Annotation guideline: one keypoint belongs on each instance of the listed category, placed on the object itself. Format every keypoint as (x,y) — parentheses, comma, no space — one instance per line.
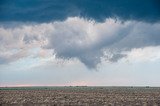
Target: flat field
(80,95)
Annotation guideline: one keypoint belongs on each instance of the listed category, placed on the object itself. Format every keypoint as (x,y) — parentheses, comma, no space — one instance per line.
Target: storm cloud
(99,10)
(88,41)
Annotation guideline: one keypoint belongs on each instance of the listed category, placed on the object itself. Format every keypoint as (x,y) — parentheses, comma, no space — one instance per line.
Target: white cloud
(147,54)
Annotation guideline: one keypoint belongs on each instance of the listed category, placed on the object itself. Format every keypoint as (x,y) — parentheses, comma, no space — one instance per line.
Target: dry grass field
(83,96)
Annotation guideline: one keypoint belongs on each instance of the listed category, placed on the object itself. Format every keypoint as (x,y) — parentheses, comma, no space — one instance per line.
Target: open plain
(80,95)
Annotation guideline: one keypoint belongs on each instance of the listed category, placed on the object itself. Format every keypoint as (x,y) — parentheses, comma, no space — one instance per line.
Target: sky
(79,43)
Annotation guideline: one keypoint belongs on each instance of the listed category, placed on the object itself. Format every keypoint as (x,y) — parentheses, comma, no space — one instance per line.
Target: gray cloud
(142,34)
(86,40)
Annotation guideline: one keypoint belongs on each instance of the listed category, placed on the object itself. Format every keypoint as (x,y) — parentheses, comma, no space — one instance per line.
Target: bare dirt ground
(83,96)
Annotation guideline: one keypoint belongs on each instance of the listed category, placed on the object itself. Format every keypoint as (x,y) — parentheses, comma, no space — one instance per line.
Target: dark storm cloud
(49,10)
(81,29)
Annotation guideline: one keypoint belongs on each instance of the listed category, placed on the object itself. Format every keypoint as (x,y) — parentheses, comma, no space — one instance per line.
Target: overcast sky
(79,42)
